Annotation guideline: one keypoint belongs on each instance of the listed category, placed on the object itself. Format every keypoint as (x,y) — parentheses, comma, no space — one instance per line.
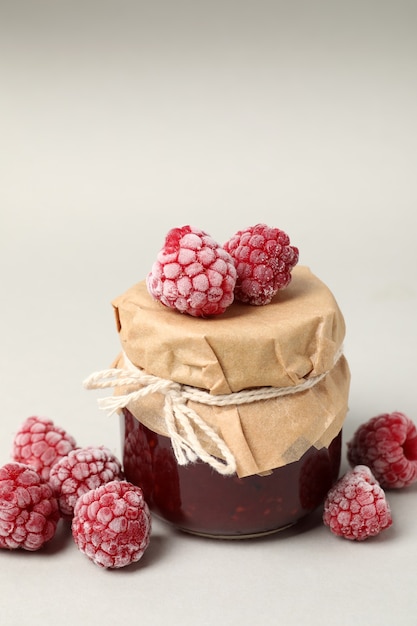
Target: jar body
(197,499)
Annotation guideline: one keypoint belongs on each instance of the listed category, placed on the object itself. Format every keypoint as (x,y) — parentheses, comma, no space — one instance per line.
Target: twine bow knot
(180,419)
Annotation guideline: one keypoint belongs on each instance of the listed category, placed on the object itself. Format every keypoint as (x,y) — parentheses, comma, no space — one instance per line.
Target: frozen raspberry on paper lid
(264,259)
(40,443)
(356,507)
(29,511)
(192,274)
(80,471)
(387,444)
(112,524)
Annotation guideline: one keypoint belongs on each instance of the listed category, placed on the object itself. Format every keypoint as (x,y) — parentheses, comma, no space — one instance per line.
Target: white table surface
(119,120)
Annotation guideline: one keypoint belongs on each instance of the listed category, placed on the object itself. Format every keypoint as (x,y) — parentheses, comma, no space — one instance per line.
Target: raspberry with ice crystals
(112,524)
(192,274)
(356,507)
(264,259)
(80,471)
(40,443)
(29,511)
(387,444)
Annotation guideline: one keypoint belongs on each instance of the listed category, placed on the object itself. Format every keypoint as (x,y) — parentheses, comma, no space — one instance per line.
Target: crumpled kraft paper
(297,336)
(266,434)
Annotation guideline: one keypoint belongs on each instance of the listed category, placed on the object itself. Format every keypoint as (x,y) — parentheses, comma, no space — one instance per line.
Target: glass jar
(197,499)
(231,426)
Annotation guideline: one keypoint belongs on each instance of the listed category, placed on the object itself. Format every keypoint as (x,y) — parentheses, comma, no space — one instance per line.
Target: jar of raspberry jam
(232,426)
(197,499)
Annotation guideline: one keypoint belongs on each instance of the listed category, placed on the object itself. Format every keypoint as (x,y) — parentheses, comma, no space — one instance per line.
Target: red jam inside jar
(197,499)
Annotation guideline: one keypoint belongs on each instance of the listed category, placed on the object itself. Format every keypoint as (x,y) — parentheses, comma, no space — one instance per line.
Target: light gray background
(122,119)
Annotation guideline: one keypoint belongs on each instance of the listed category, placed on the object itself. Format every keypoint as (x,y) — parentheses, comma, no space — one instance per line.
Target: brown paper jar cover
(296,336)
(299,335)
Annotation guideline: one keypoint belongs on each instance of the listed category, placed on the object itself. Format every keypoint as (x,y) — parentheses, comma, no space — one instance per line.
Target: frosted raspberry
(28,509)
(356,507)
(80,471)
(387,443)
(192,274)
(40,443)
(264,260)
(112,524)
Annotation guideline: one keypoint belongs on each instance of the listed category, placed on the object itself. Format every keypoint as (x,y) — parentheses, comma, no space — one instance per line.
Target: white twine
(177,413)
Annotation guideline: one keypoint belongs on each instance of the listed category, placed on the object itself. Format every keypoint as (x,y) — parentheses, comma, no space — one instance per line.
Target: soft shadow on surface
(157,550)
(305,525)
(61,541)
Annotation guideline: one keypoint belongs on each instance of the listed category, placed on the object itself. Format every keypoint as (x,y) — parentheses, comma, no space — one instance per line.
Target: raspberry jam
(197,499)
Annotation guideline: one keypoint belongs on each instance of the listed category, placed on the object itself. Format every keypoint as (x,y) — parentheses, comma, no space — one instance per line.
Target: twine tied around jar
(178,415)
